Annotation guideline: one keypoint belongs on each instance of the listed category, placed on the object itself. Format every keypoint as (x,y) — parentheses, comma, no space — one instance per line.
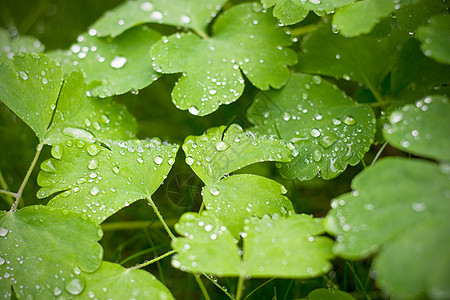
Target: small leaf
(82,117)
(11,47)
(244,39)
(322,294)
(404,216)
(211,156)
(435,38)
(328,130)
(30,240)
(193,14)
(422,129)
(113,66)
(233,202)
(29,86)
(112,281)
(356,59)
(273,247)
(97,181)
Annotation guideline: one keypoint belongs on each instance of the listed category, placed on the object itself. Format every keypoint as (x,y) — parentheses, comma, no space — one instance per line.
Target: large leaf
(112,281)
(113,66)
(233,202)
(29,86)
(82,117)
(43,251)
(435,38)
(273,247)
(409,17)
(328,129)
(193,14)
(400,207)
(244,39)
(98,181)
(355,59)
(422,129)
(218,152)
(11,47)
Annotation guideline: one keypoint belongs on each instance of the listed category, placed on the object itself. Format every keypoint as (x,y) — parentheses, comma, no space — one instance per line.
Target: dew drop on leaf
(94,191)
(3,231)
(189,160)
(221,146)
(194,110)
(92,149)
(349,120)
(75,286)
(118,62)
(314,132)
(158,160)
(214,191)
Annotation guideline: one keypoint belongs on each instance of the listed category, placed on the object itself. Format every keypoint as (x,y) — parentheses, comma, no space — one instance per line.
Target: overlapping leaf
(11,47)
(281,247)
(82,117)
(192,14)
(218,152)
(112,281)
(98,181)
(29,86)
(329,294)
(294,11)
(435,38)
(422,129)
(328,129)
(244,39)
(409,17)
(233,202)
(355,59)
(113,66)
(405,216)
(30,239)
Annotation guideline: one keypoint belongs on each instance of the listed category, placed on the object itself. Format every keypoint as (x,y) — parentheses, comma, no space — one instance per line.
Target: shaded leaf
(322,294)
(31,237)
(11,47)
(233,202)
(113,66)
(328,130)
(112,281)
(244,39)
(435,38)
(98,181)
(422,129)
(218,152)
(87,118)
(281,247)
(193,14)
(29,86)
(407,208)
(409,17)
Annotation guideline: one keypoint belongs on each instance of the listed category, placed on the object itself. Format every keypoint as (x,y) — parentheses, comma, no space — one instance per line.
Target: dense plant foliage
(286,148)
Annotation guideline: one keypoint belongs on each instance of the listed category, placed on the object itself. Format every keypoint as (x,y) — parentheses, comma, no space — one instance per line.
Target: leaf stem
(27,176)
(358,281)
(202,34)
(378,153)
(149,262)
(240,287)
(304,29)
(7,195)
(202,286)
(219,286)
(374,91)
(160,217)
(259,287)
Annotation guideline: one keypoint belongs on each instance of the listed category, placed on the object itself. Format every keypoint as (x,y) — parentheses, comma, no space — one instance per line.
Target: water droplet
(75,286)
(93,164)
(57,152)
(194,110)
(336,122)
(185,19)
(283,190)
(157,15)
(349,120)
(3,231)
(94,191)
(214,191)
(23,75)
(158,160)
(146,6)
(2,260)
(221,146)
(189,160)
(57,291)
(317,155)
(314,132)
(105,119)
(419,206)
(48,166)
(396,117)
(78,133)
(140,160)
(118,62)
(316,79)
(116,169)
(328,140)
(93,149)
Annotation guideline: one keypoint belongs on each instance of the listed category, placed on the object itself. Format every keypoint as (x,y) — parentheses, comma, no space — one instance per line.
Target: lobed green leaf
(435,38)
(11,47)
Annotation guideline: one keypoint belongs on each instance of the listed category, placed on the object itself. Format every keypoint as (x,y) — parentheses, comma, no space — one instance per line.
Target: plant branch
(378,153)
(160,217)
(240,287)
(149,262)
(202,34)
(27,176)
(202,286)
(259,287)
(219,286)
(358,281)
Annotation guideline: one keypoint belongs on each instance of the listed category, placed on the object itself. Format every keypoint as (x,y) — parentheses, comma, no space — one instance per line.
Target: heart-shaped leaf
(328,129)
(98,181)
(33,241)
(244,39)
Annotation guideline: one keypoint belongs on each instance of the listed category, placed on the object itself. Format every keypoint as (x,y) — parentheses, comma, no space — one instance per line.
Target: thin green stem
(132,225)
(374,91)
(160,217)
(149,262)
(202,286)
(378,153)
(288,289)
(202,34)
(304,29)
(259,287)
(358,281)
(140,253)
(240,287)
(27,176)
(7,195)
(219,286)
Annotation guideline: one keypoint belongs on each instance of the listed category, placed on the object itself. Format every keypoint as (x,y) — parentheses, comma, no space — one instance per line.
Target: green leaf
(29,86)
(219,152)
(409,17)
(244,39)
(192,14)
(43,251)
(422,129)
(11,47)
(87,118)
(355,59)
(286,11)
(273,247)
(435,38)
(233,202)
(398,206)
(326,294)
(112,281)
(328,129)
(98,181)
(113,66)
(361,16)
